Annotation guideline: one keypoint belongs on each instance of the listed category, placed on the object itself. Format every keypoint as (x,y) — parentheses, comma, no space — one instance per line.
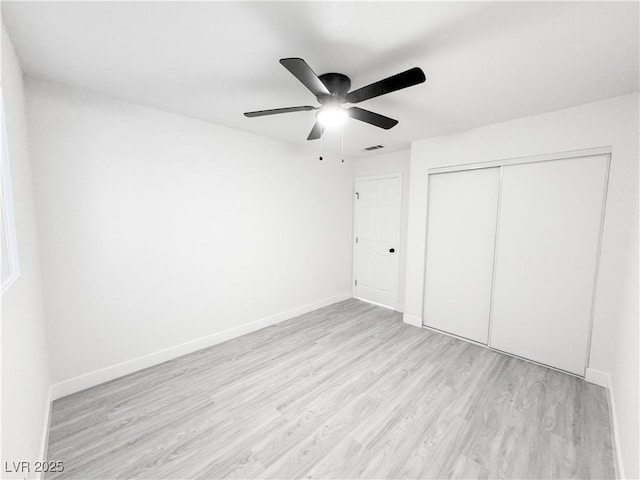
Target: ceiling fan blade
(316,132)
(299,68)
(274,111)
(372,118)
(411,77)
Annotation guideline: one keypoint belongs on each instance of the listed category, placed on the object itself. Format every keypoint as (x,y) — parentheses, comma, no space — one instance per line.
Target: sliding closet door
(461,229)
(550,220)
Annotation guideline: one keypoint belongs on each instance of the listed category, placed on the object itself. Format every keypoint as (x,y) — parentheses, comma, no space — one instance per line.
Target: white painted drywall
(25,372)
(396,162)
(158,229)
(611,122)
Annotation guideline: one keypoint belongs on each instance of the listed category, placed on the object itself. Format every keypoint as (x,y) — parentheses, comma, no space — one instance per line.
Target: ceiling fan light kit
(331,116)
(332,90)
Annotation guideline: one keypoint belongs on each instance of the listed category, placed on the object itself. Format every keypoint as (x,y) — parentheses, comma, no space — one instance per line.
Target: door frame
(366,178)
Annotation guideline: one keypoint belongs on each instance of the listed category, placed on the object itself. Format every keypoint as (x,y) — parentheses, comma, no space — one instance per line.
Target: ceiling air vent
(373,147)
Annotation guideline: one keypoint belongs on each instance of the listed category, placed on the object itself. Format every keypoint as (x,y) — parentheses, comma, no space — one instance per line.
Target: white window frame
(8,219)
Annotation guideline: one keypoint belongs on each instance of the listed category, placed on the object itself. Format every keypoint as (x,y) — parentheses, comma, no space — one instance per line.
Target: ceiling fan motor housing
(338,84)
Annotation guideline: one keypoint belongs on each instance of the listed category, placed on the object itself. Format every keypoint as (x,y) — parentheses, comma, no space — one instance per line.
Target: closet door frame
(605,151)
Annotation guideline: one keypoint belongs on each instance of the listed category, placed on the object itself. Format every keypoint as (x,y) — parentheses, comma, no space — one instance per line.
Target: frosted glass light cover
(332,116)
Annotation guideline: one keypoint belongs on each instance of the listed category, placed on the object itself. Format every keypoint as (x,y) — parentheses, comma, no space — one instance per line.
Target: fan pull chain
(321,142)
(342,144)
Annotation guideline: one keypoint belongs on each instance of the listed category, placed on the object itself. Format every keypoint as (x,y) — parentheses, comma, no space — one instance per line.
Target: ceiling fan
(332,90)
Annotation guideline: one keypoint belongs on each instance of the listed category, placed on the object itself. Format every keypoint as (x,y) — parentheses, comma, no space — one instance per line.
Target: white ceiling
(484,62)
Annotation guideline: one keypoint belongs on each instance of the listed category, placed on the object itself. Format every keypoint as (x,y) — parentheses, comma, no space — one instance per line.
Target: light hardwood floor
(347,391)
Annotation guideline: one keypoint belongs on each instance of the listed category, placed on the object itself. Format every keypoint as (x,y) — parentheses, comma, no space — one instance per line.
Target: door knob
(391,250)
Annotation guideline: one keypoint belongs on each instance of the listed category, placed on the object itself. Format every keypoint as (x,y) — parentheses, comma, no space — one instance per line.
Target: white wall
(158,229)
(612,122)
(25,373)
(395,162)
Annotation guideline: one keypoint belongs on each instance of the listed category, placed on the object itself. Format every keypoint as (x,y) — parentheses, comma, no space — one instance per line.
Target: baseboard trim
(44,442)
(91,379)
(412,320)
(598,377)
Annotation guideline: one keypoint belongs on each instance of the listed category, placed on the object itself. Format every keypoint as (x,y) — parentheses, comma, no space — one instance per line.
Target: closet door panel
(550,220)
(461,229)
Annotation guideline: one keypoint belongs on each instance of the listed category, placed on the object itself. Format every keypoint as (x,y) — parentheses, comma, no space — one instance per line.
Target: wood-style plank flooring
(347,391)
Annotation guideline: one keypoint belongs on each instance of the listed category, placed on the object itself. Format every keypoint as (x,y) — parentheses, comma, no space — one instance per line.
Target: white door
(461,231)
(378,207)
(548,238)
